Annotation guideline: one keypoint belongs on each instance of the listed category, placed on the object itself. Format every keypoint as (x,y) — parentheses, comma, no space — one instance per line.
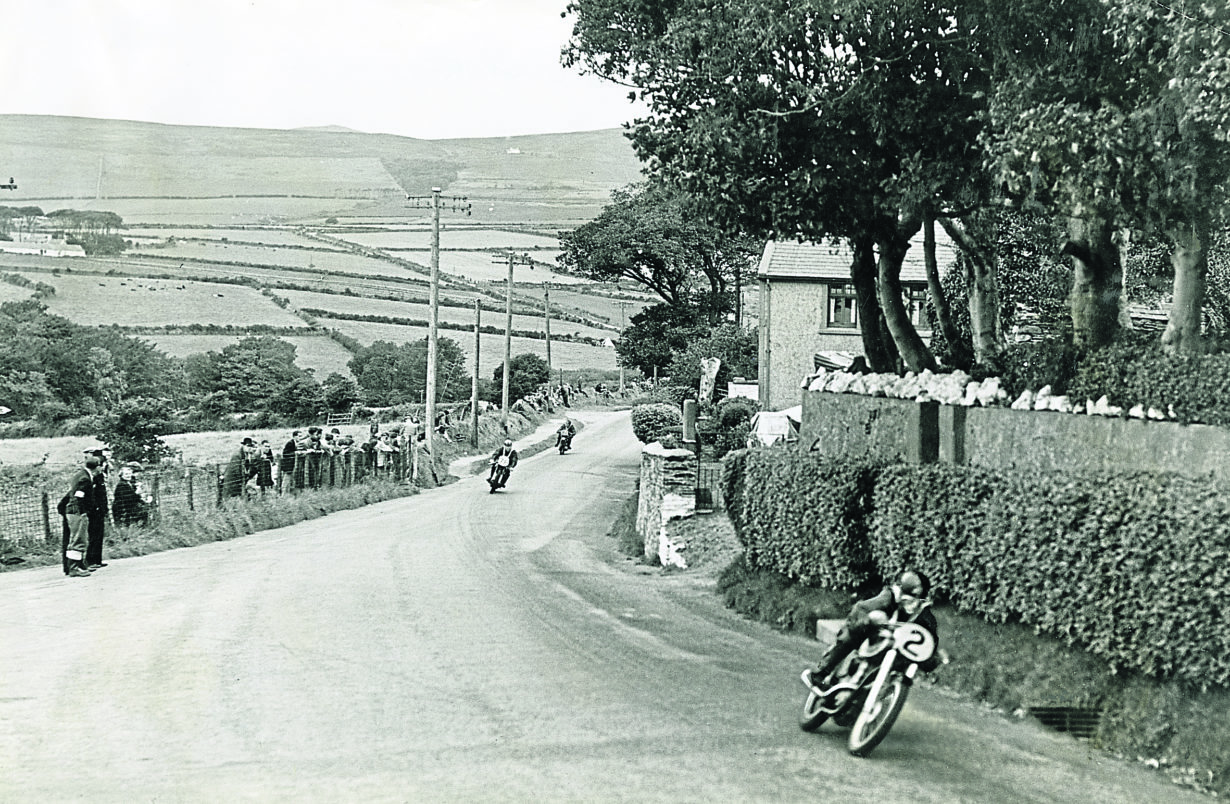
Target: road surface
(460,646)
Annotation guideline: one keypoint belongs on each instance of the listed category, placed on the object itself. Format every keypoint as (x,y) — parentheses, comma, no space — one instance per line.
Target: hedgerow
(801,514)
(1132,567)
(652,421)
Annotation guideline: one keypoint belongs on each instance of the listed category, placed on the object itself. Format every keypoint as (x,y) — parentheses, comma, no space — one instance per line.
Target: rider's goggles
(910,603)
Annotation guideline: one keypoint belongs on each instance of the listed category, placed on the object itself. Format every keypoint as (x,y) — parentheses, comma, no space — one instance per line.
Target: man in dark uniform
(98,516)
(77,504)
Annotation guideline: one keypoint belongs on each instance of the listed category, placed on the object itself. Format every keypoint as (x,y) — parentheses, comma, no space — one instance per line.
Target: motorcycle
(563,440)
(872,684)
(500,470)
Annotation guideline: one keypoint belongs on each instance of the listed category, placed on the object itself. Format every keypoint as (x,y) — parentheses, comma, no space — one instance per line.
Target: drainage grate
(1078,722)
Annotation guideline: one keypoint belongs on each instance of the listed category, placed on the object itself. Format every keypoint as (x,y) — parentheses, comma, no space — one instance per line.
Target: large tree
(655,237)
(812,120)
(1116,116)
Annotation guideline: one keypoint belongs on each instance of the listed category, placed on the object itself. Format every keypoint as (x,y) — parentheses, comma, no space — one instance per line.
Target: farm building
(808,306)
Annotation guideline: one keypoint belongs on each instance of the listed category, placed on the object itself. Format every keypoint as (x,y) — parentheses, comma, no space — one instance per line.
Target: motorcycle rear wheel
(870,729)
(813,715)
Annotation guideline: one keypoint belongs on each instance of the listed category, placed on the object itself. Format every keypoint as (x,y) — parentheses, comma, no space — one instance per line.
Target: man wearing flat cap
(77,505)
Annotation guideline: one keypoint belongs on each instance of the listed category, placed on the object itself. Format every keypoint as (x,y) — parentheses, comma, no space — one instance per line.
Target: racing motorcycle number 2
(913,642)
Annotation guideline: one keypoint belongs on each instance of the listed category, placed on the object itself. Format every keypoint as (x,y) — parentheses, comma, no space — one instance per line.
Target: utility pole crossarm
(12,185)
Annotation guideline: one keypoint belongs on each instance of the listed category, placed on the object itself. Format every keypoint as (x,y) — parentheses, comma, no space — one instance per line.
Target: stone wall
(1001,438)
(667,491)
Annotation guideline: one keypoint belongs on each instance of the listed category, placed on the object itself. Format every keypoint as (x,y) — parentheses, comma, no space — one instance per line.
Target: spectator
(77,504)
(98,515)
(263,470)
(315,457)
(238,469)
(384,454)
(286,467)
(130,505)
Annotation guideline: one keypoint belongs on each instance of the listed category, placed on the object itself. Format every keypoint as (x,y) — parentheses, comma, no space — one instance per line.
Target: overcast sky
(431,69)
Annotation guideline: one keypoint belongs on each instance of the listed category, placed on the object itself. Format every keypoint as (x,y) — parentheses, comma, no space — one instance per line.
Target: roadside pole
(478,314)
(512,259)
(433,325)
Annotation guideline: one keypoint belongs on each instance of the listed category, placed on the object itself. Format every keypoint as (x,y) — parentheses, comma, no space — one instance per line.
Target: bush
(802,514)
(733,417)
(654,421)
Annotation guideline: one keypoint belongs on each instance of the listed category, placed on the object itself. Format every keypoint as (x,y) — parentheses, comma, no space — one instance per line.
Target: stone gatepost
(667,491)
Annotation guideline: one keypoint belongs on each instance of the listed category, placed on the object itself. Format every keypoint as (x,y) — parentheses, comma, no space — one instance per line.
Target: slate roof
(823,261)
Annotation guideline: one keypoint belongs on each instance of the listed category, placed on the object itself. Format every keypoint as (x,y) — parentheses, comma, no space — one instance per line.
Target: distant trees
(391,374)
(527,374)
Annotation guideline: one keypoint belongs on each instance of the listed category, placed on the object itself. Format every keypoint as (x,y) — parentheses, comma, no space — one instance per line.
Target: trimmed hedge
(1132,567)
(651,422)
(801,514)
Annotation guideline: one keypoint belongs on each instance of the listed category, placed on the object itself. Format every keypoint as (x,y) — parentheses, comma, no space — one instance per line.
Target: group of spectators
(85,510)
(315,458)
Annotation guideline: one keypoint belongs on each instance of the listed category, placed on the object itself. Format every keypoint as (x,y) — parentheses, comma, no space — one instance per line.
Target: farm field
(567,356)
(136,302)
(459,237)
(224,211)
(481,266)
(330,260)
(264,236)
(320,353)
(453,315)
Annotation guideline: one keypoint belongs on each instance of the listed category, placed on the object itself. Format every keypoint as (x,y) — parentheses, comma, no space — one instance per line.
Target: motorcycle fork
(886,667)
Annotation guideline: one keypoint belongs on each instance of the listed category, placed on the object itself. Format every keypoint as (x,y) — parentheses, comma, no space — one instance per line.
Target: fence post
(154,495)
(46,517)
(188,474)
(218,478)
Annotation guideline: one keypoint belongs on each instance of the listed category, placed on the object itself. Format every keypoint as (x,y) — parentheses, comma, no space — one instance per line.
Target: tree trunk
(1097,282)
(982,284)
(910,346)
(959,352)
(878,346)
(1191,265)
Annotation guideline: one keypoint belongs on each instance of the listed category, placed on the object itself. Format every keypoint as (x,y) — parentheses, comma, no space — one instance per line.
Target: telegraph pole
(512,259)
(546,315)
(478,314)
(458,205)
(622,304)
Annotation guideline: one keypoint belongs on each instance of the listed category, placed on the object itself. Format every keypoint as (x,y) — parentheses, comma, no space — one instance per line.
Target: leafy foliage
(133,428)
(737,348)
(802,514)
(733,417)
(653,421)
(529,373)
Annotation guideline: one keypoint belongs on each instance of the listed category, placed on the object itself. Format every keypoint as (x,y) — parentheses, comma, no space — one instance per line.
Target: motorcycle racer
(904,601)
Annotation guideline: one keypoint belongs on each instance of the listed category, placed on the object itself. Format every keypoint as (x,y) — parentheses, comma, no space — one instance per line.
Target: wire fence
(709,487)
(28,517)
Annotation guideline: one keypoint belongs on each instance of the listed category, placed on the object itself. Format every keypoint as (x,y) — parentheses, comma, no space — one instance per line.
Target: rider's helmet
(508,442)
(911,590)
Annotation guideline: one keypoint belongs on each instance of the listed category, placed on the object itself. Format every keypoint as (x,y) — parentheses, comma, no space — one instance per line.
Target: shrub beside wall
(801,514)
(650,422)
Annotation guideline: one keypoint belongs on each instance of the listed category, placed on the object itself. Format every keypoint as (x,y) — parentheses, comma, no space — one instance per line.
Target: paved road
(462,646)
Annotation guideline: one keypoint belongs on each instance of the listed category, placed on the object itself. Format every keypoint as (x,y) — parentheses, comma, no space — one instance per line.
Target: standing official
(98,515)
(78,503)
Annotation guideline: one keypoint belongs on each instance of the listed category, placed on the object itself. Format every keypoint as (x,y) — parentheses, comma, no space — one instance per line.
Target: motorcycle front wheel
(872,727)
(813,715)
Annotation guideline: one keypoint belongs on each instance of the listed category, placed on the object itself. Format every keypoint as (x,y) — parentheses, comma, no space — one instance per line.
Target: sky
(431,69)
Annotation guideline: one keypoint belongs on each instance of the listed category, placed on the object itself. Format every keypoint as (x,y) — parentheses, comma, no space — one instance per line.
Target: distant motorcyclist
(904,601)
(503,461)
(565,434)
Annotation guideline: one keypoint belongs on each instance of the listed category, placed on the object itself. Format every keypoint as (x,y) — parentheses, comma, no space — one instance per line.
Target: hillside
(80,163)
(316,226)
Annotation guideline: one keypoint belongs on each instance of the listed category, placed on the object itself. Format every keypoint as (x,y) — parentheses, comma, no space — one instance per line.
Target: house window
(843,307)
(916,306)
